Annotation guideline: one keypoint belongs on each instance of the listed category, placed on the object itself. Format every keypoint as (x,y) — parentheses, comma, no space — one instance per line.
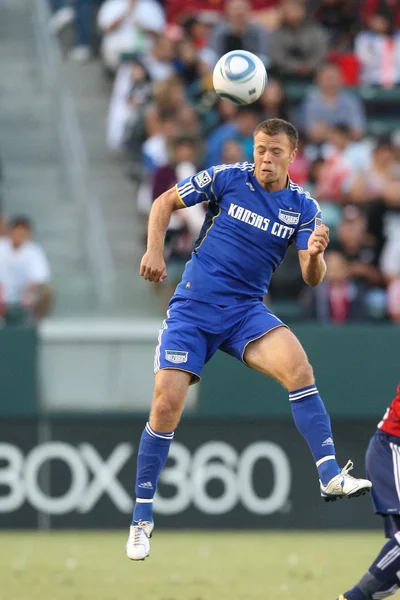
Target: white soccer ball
(240,77)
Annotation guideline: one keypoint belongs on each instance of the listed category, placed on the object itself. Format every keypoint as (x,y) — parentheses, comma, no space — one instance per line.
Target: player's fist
(153,266)
(318,240)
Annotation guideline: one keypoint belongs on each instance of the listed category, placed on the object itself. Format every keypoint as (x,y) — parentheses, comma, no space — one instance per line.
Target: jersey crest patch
(176,356)
(202,179)
(289,217)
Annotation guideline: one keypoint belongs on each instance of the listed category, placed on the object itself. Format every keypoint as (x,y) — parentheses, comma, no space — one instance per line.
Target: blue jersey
(245,235)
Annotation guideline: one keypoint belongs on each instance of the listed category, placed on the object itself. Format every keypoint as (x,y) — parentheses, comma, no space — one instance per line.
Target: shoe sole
(356,494)
(139,559)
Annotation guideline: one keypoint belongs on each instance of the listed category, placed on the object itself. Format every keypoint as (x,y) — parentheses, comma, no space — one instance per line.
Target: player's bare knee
(166,411)
(300,375)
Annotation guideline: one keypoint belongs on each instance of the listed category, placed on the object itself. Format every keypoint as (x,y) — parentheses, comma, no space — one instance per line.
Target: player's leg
(381,460)
(381,580)
(179,360)
(382,465)
(280,355)
(168,401)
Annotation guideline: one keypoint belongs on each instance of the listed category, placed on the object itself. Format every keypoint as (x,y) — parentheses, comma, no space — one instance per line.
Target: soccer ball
(240,77)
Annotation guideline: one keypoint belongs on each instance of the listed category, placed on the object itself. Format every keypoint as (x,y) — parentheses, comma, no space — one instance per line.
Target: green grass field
(183,566)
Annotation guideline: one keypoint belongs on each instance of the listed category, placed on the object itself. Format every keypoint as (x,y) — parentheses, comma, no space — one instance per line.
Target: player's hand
(318,240)
(153,266)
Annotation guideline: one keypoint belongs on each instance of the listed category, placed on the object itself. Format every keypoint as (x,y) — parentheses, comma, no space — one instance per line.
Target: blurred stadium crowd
(334,70)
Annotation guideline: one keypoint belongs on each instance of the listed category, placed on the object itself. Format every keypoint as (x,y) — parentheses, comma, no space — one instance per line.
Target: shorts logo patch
(176,356)
(318,223)
(289,217)
(202,179)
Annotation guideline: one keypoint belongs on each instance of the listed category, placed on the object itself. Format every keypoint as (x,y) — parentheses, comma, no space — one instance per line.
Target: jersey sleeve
(205,186)
(311,219)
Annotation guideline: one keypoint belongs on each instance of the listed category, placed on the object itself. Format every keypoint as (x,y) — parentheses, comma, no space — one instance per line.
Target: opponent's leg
(280,355)
(381,579)
(169,396)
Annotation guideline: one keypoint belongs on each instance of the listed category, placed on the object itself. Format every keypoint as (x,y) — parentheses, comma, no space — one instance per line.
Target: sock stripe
(389,558)
(294,397)
(324,459)
(307,388)
(163,436)
(144,500)
(386,593)
(396,469)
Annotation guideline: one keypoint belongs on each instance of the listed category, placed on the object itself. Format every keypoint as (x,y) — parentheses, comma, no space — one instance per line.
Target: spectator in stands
(300,169)
(237,32)
(128,26)
(393,300)
(261,11)
(299,46)
(155,148)
(196,30)
(24,274)
(329,105)
(374,181)
(274,102)
(187,63)
(133,77)
(378,51)
(169,98)
(232,152)
(370,8)
(361,251)
(340,20)
(377,190)
(338,299)
(334,178)
(240,129)
(185,225)
(80,11)
(131,91)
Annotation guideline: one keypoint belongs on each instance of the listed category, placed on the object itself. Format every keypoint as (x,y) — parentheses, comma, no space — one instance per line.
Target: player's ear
(293,155)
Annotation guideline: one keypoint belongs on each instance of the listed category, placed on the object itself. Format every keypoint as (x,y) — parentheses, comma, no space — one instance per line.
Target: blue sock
(381,576)
(152,456)
(313,423)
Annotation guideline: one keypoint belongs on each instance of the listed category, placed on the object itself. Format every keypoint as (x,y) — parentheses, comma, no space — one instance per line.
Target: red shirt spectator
(390,7)
(177,10)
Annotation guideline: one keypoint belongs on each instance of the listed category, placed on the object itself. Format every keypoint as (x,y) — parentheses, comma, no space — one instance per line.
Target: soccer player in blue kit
(254,213)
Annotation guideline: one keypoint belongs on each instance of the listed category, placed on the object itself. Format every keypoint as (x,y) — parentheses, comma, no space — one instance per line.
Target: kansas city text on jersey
(245,235)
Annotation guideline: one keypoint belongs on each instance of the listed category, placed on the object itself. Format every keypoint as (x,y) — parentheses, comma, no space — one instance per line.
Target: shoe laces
(348,467)
(138,530)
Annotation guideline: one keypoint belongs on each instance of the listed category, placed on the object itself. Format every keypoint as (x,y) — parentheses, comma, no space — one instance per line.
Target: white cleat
(138,545)
(344,484)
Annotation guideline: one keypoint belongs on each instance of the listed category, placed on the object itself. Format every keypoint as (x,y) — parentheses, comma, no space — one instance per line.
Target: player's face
(272,157)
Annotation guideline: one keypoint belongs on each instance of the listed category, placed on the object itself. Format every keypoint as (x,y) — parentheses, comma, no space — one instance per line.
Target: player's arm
(153,266)
(312,263)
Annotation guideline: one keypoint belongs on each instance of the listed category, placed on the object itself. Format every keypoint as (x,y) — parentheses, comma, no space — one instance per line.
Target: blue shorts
(193,331)
(383,469)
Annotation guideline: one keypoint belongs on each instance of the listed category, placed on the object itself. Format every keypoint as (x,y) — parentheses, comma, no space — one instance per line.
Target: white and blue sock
(381,579)
(314,424)
(152,456)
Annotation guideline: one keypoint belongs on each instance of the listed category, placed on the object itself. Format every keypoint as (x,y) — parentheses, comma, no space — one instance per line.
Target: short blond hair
(276,126)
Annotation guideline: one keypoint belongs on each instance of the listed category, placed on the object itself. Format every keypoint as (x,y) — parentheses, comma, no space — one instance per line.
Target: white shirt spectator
(125,26)
(21,267)
(379,56)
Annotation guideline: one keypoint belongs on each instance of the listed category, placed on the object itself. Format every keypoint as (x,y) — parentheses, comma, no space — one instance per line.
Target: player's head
(275,147)
(20,230)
